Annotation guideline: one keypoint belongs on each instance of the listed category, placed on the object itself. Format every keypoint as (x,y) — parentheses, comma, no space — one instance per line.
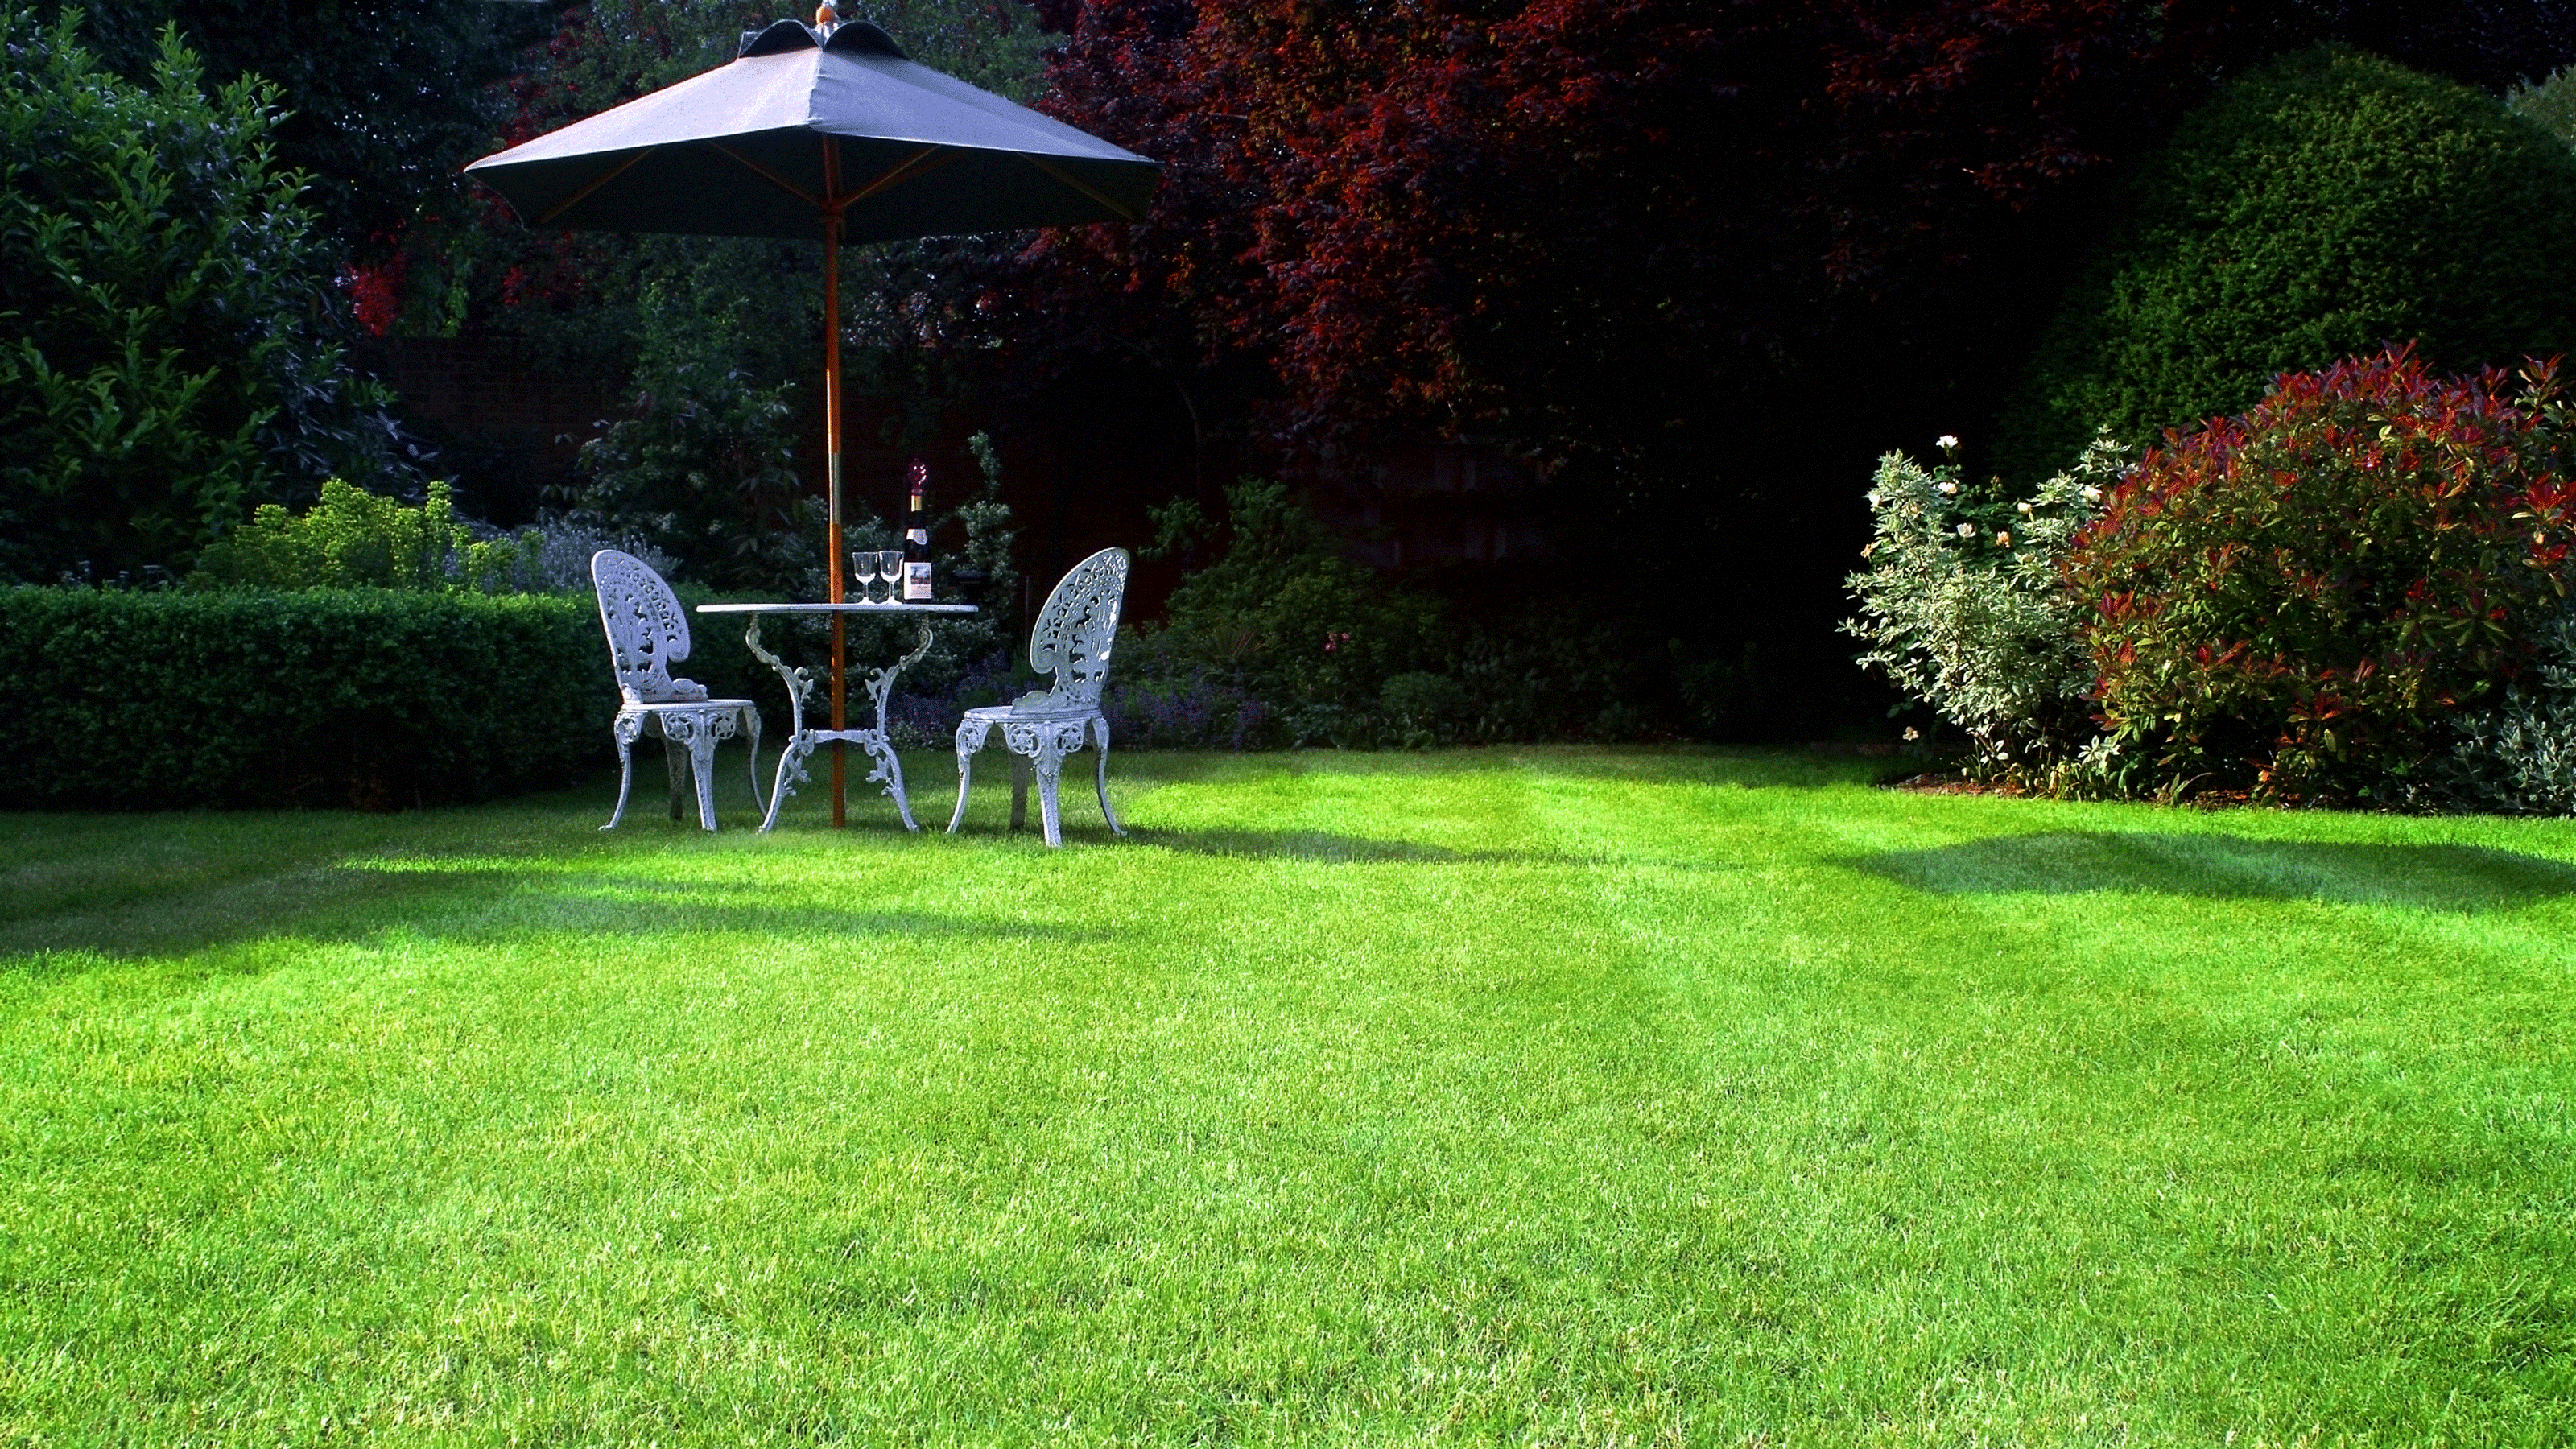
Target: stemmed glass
(890,564)
(863,571)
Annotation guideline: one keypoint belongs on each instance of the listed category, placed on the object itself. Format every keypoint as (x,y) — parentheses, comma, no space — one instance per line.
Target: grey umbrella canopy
(809,120)
(824,131)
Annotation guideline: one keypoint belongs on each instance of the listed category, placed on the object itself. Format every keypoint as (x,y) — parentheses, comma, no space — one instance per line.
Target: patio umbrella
(826,131)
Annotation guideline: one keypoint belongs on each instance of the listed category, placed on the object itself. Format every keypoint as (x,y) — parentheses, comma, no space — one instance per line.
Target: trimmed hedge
(319,697)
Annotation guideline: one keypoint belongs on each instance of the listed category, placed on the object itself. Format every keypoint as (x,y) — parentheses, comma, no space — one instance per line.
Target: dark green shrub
(379,699)
(705,470)
(2301,601)
(2317,208)
(1285,618)
(1280,641)
(1423,708)
(169,358)
(2518,758)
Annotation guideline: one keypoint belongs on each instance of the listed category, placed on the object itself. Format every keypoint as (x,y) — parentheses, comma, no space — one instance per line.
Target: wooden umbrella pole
(832,466)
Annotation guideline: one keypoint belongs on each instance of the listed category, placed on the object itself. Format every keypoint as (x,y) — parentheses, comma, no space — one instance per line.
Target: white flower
(2092,495)
(1967,530)
(2004,538)
(1873,499)
(1948,488)
(1947,442)
(2024,509)
(1911,733)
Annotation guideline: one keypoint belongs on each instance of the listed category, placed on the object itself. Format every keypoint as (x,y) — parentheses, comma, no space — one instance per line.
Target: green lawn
(1563,1096)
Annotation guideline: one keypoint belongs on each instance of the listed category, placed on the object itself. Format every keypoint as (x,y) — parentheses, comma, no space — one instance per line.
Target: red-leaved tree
(1583,222)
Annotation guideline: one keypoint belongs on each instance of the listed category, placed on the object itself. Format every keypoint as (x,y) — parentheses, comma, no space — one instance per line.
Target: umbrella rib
(1123,213)
(602,179)
(765,174)
(904,170)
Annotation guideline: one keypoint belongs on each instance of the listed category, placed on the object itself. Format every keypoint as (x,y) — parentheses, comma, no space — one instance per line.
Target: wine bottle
(916,540)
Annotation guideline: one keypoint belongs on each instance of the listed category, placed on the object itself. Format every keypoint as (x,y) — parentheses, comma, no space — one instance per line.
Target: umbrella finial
(825,17)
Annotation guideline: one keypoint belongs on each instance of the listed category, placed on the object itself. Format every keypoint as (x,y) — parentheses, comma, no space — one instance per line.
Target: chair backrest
(1076,629)
(645,626)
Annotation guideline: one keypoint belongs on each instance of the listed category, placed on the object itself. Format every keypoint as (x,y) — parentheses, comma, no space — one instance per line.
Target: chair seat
(1000,712)
(660,705)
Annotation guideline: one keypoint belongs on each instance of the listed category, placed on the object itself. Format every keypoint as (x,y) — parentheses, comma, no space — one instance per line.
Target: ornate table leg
(751,726)
(879,743)
(800,740)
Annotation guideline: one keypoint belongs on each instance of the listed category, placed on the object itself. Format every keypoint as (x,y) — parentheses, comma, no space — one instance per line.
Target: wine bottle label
(916,583)
(917,535)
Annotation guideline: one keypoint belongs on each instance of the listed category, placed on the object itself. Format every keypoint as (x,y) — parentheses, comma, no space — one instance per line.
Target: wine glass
(890,563)
(863,571)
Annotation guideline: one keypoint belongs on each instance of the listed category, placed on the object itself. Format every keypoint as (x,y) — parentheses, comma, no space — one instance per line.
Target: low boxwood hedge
(375,699)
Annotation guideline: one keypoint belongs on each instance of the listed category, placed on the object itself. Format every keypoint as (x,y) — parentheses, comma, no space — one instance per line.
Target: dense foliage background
(2317,207)
(1689,268)
(173,355)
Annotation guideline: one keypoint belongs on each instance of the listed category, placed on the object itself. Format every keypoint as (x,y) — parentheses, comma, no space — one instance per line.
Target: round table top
(849,608)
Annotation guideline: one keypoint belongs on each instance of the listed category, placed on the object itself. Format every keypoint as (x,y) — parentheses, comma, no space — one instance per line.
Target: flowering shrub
(1962,606)
(1187,712)
(560,547)
(2295,602)
(1423,708)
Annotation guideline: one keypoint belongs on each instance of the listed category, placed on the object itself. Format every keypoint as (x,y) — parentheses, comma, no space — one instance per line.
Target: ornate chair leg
(1100,774)
(702,763)
(1050,772)
(1019,791)
(751,727)
(965,776)
(624,730)
(674,760)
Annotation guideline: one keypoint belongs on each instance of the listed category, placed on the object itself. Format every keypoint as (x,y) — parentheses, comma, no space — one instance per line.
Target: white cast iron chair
(1073,636)
(646,631)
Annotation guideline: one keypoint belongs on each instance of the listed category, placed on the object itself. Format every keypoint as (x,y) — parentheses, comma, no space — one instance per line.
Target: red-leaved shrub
(2291,602)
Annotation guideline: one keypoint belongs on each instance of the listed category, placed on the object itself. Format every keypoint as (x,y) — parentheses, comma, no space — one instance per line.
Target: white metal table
(800,683)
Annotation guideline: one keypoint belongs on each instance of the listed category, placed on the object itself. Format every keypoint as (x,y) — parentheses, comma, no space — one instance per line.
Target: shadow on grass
(1316,845)
(600,903)
(2427,877)
(356,904)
